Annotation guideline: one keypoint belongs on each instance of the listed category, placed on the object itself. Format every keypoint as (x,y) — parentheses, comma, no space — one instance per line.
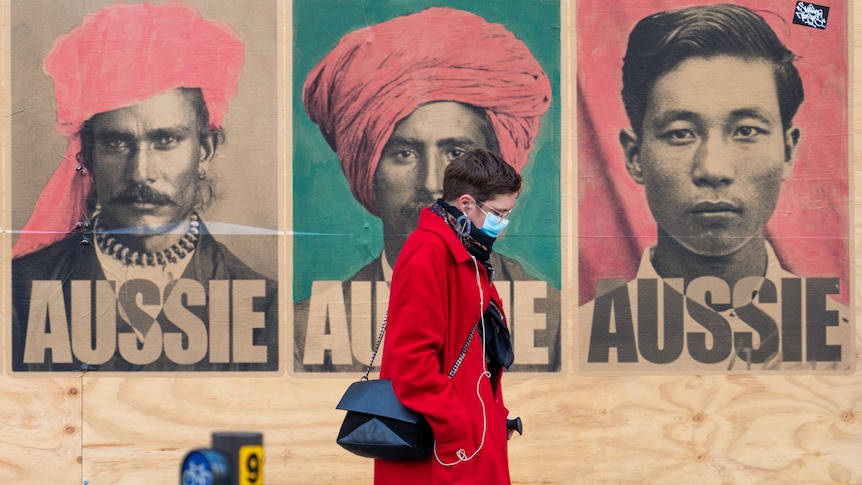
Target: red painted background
(810,227)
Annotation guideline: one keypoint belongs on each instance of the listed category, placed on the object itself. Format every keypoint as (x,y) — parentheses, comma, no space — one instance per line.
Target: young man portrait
(711,94)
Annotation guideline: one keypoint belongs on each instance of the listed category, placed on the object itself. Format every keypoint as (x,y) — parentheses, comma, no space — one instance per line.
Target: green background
(334,236)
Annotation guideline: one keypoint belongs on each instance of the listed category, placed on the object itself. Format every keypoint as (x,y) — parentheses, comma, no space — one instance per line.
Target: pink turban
(380,74)
(119,56)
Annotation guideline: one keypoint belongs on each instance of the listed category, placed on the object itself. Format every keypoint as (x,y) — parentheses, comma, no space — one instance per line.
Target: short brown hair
(660,42)
(480,173)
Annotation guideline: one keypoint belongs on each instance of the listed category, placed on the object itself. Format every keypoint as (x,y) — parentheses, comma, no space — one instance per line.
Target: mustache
(140,193)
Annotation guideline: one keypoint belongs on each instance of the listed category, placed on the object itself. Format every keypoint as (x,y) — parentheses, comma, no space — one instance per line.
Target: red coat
(433,306)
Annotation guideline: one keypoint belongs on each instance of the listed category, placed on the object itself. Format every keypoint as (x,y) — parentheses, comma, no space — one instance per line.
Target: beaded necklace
(179,250)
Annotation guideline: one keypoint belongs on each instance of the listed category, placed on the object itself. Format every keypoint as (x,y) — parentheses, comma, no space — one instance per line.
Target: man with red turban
(115,271)
(397,101)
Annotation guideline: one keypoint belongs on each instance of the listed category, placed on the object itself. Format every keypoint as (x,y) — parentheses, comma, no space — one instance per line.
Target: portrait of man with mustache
(115,269)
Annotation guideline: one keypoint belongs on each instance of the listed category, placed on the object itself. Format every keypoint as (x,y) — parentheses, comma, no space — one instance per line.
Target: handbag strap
(463,352)
(380,339)
(376,348)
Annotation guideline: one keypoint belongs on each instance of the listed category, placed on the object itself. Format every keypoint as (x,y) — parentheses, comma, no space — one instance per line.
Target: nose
(713,163)
(141,166)
(434,169)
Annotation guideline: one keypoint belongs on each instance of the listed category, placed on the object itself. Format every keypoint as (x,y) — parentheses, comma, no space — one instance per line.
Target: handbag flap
(376,397)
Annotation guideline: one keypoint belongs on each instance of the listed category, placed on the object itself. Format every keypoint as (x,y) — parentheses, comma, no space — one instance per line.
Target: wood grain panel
(40,430)
(591,430)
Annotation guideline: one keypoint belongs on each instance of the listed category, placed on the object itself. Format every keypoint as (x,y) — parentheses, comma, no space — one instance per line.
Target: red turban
(118,57)
(378,75)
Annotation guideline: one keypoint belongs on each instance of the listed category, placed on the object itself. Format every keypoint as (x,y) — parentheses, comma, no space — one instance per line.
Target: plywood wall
(604,430)
(683,429)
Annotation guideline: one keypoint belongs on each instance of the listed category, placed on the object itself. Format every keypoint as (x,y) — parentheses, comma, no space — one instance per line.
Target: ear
(465,202)
(631,149)
(208,150)
(791,143)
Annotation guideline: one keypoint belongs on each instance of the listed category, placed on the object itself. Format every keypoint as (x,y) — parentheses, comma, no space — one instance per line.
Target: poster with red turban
(713,187)
(142,187)
(385,95)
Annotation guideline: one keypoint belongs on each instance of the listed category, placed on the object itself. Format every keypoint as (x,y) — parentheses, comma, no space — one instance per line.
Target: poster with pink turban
(144,200)
(713,187)
(415,77)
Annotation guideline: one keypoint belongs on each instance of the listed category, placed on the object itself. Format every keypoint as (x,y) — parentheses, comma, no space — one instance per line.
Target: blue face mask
(493,224)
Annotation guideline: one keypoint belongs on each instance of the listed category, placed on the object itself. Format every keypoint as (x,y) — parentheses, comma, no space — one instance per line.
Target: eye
(454,153)
(166,142)
(400,155)
(747,132)
(501,213)
(404,154)
(115,144)
(678,137)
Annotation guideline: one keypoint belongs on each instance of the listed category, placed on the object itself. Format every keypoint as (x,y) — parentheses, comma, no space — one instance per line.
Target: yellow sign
(250,463)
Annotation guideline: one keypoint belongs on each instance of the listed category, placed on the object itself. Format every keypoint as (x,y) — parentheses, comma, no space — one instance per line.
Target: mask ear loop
(461,453)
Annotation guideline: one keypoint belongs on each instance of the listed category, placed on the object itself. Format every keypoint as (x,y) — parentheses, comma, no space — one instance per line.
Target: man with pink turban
(397,101)
(115,271)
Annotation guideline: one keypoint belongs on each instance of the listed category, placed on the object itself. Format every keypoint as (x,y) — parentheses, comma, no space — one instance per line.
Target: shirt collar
(774,271)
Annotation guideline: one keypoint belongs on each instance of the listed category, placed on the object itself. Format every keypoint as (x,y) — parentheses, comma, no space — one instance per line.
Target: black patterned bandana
(477,242)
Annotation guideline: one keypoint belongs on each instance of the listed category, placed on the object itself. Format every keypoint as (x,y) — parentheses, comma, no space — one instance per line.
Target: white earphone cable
(461,453)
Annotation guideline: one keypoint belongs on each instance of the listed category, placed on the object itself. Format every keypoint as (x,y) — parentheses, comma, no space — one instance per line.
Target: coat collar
(431,222)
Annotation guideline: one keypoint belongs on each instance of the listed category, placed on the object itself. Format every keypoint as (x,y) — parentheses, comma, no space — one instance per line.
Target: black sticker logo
(811,15)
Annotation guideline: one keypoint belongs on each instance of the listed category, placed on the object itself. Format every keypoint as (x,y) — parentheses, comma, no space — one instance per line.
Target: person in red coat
(442,296)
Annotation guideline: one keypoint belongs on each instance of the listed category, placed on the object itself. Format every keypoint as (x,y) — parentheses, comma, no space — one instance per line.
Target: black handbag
(377,425)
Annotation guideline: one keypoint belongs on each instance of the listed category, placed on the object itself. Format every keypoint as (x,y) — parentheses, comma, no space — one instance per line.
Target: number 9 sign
(250,465)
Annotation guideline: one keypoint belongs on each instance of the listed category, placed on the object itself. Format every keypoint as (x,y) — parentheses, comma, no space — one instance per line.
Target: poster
(713,235)
(86,300)
(339,246)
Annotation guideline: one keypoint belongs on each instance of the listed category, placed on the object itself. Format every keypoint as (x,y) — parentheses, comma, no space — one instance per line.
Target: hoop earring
(463,225)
